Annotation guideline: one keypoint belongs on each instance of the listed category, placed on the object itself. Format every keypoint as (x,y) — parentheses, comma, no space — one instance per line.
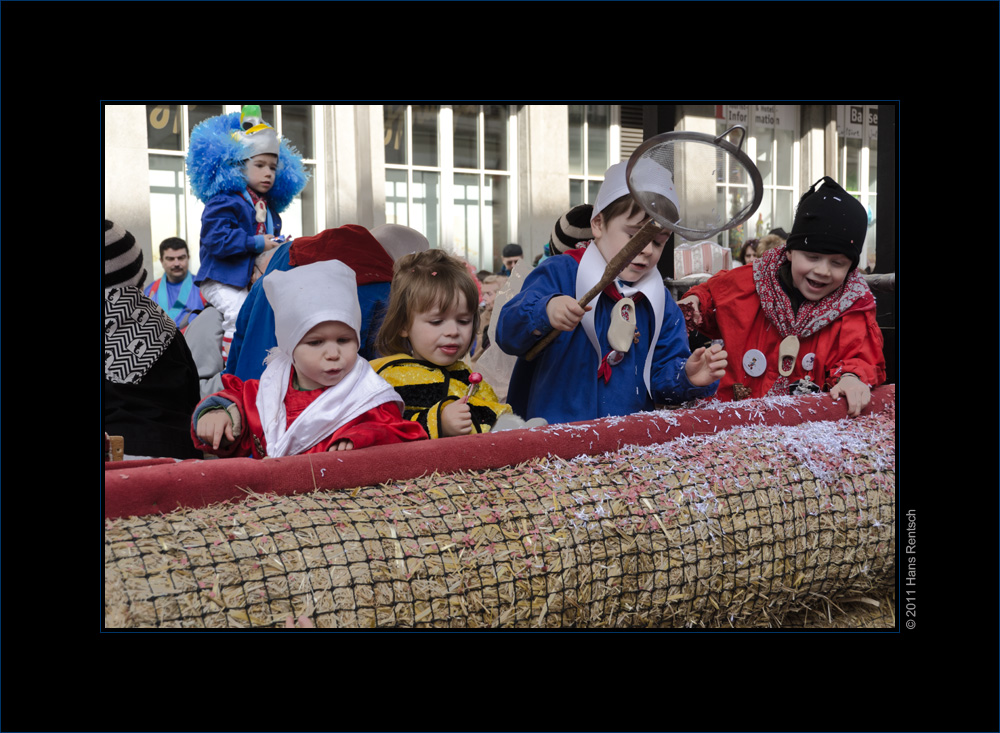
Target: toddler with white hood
(316,394)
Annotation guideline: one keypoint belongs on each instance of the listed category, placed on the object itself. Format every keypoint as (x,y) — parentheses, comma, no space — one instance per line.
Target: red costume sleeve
(736,290)
(238,392)
(382,425)
(859,336)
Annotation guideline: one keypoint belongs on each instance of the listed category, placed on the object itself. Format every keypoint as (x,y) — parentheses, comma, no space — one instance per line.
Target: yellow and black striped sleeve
(427,389)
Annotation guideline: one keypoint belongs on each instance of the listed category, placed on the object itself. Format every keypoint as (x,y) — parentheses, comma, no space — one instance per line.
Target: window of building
(593,148)
(448,175)
(175,212)
(772,143)
(857,163)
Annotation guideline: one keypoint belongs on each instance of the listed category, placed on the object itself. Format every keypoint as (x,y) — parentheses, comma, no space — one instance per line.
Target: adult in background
(510,256)
(150,383)
(748,253)
(176,292)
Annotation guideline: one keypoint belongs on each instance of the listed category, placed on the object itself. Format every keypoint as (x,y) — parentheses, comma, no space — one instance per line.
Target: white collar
(359,391)
(592,266)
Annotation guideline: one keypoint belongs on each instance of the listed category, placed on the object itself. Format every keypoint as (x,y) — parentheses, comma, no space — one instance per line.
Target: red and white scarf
(812,315)
(359,391)
(260,211)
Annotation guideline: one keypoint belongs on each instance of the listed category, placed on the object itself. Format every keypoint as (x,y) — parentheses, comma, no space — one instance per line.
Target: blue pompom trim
(215,164)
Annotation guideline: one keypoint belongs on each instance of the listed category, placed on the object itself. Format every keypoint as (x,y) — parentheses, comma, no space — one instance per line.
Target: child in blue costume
(246,175)
(580,375)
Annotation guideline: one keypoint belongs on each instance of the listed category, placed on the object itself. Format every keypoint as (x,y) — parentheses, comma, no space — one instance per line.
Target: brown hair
(626,205)
(422,281)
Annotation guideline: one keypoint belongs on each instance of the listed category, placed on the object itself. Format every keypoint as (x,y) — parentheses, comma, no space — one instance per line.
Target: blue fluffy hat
(216,156)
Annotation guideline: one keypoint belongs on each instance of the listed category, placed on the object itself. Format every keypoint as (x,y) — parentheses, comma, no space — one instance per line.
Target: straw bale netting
(763,526)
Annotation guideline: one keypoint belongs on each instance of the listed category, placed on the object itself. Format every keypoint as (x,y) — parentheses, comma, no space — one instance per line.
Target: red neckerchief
(604,369)
(254,198)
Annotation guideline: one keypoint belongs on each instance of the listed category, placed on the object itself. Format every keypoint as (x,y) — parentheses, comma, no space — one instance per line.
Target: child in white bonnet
(317,393)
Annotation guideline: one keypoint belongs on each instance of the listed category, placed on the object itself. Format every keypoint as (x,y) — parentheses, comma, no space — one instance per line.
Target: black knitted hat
(829,220)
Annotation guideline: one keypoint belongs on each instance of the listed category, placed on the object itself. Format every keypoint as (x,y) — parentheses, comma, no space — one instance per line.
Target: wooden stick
(618,263)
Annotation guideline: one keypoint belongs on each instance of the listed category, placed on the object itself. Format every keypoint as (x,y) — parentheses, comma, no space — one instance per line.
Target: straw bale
(756,527)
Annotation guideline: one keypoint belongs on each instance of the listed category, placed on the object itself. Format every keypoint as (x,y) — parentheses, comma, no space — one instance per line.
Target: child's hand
(704,366)
(691,308)
(219,427)
(456,419)
(343,444)
(270,242)
(564,312)
(858,394)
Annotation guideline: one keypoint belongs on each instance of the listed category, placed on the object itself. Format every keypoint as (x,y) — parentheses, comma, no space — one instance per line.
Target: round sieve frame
(663,150)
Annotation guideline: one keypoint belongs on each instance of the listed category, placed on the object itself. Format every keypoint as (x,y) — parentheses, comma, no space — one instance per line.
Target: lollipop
(474,379)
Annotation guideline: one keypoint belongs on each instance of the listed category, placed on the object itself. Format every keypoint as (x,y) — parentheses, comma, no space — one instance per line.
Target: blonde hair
(422,281)
(768,241)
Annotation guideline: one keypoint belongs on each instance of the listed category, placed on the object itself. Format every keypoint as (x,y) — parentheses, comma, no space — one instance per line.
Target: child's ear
(405,333)
(597,225)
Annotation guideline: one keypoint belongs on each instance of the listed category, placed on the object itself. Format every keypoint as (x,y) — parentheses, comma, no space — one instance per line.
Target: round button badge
(809,361)
(754,362)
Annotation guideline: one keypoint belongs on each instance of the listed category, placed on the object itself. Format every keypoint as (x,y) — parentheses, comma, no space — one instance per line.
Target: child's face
(442,335)
(260,171)
(490,293)
(817,275)
(611,236)
(325,355)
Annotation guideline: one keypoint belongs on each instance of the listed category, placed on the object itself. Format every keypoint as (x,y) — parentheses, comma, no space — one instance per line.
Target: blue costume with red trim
(568,381)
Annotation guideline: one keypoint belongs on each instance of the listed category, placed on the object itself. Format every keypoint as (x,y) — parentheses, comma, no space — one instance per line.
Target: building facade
(473,178)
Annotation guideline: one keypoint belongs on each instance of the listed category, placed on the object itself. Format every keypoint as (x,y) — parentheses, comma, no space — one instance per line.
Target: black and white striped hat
(122,258)
(572,229)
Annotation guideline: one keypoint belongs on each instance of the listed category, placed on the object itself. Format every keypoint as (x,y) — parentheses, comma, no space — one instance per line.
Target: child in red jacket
(801,318)
(316,393)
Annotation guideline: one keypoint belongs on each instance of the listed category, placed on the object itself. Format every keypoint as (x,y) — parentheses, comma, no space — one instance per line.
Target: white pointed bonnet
(310,294)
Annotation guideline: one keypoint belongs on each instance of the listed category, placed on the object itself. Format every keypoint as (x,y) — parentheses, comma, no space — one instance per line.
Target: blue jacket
(561,384)
(228,242)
